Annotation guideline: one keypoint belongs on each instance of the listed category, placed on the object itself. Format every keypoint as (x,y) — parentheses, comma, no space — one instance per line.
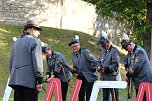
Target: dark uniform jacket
(138,66)
(109,60)
(54,67)
(85,63)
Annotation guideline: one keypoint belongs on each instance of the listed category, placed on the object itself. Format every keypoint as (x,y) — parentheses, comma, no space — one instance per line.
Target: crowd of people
(26,66)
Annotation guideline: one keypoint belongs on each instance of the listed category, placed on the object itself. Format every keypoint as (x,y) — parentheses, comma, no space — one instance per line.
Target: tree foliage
(130,12)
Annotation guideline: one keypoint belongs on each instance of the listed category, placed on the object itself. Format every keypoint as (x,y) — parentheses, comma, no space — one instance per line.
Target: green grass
(59,40)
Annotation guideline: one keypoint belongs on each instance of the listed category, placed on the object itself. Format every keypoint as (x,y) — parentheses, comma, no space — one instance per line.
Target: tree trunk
(147,41)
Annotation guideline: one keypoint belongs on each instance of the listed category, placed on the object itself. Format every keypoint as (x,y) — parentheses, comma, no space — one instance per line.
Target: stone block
(2,19)
(0,2)
(0,8)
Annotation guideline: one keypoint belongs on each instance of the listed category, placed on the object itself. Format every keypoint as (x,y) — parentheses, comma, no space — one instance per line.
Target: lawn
(59,39)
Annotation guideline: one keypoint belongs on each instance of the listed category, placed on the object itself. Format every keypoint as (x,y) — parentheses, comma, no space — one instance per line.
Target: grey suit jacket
(53,66)
(85,62)
(26,65)
(109,60)
(138,65)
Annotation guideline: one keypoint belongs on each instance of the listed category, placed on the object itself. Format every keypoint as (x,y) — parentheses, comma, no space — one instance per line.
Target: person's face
(105,46)
(75,47)
(129,48)
(36,33)
(48,53)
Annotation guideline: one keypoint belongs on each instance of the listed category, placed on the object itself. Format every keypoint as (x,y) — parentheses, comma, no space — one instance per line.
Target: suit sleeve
(49,69)
(92,59)
(113,67)
(126,63)
(136,64)
(37,61)
(99,59)
(58,66)
(74,65)
(56,69)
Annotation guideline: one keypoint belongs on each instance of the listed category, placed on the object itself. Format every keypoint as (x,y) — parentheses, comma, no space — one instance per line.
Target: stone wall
(65,14)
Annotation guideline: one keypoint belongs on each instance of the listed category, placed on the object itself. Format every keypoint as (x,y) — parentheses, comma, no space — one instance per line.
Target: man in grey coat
(26,65)
(137,64)
(85,63)
(56,69)
(109,62)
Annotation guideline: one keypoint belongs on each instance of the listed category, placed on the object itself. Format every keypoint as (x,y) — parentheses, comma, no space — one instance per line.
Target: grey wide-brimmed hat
(32,23)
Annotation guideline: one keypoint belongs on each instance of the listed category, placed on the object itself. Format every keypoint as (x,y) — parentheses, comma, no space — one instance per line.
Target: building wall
(65,14)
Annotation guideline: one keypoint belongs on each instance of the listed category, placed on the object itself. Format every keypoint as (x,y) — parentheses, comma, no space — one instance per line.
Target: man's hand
(46,77)
(75,74)
(78,75)
(126,78)
(39,87)
(100,69)
(48,80)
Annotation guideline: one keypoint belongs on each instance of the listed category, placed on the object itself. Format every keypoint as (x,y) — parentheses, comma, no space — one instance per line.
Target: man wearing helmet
(109,66)
(137,64)
(85,63)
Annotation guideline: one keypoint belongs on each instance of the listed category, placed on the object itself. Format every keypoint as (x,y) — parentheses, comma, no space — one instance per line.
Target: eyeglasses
(74,46)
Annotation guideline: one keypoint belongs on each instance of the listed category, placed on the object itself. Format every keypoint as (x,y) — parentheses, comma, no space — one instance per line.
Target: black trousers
(106,94)
(86,89)
(22,93)
(64,88)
